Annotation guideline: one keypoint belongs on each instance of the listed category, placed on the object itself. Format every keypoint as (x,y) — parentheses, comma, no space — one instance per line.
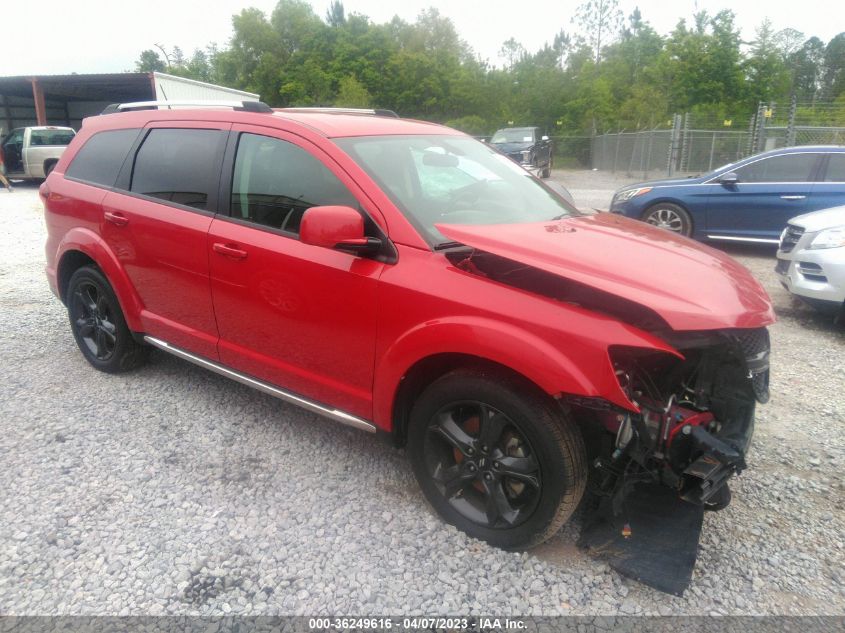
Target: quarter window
(835,168)
(787,168)
(275,182)
(178,165)
(100,159)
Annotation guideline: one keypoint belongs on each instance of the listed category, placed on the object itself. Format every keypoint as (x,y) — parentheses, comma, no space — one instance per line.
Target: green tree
(767,73)
(600,21)
(834,67)
(149,61)
(806,67)
(352,94)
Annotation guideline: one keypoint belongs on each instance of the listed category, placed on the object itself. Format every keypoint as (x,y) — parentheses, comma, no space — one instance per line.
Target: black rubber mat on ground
(663,542)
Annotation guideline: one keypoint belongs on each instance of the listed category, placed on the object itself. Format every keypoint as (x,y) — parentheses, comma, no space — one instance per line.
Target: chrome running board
(334,414)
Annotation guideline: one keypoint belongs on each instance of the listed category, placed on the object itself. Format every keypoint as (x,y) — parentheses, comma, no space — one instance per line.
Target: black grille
(755,347)
(791,237)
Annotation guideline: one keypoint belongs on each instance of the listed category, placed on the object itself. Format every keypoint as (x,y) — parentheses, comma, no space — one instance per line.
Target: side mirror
(729,178)
(336,227)
(544,138)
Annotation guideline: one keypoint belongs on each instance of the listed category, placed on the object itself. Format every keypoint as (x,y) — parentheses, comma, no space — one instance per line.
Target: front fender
(87,242)
(586,371)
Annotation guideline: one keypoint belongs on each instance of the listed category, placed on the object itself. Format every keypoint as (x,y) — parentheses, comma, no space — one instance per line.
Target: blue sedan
(747,201)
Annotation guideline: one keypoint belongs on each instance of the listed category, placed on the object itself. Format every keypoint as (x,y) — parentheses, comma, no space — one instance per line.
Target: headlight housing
(829,238)
(627,194)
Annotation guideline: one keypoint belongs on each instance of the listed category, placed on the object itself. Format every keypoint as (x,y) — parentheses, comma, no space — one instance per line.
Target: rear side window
(275,182)
(50,137)
(786,168)
(835,168)
(100,159)
(178,165)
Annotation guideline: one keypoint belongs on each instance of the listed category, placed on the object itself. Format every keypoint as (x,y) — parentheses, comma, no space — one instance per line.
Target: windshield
(453,180)
(514,135)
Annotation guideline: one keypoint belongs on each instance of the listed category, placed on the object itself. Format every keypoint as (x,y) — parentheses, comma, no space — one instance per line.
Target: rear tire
(48,168)
(98,326)
(495,458)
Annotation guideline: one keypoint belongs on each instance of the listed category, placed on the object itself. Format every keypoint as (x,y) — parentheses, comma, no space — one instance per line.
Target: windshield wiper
(444,245)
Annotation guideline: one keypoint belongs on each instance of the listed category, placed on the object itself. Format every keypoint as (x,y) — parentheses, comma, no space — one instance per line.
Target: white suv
(811,259)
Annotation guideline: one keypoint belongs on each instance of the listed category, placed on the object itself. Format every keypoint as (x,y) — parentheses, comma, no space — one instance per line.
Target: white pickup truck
(32,152)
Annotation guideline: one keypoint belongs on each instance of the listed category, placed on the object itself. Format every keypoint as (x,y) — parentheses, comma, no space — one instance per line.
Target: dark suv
(401,277)
(526,146)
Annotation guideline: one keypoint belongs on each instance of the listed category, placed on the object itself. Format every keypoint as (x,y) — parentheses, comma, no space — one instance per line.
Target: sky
(92,36)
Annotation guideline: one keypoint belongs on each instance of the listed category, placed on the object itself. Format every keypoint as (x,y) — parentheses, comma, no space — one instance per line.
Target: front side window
(786,168)
(178,165)
(453,180)
(275,182)
(100,159)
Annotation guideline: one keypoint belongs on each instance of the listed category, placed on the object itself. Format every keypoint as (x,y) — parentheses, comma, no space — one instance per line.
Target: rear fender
(87,242)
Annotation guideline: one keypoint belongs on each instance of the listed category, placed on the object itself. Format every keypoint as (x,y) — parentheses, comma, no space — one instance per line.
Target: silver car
(811,259)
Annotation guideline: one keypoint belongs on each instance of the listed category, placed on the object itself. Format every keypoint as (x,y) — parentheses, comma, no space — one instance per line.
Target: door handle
(792,197)
(118,219)
(229,250)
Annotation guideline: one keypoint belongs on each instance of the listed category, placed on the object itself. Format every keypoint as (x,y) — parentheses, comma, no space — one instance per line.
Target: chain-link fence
(698,144)
(632,152)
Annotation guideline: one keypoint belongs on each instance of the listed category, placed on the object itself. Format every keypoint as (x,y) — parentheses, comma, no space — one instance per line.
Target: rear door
(769,192)
(157,225)
(299,316)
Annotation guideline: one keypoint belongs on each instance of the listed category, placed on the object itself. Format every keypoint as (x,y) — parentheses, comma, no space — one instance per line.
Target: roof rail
(364,111)
(246,106)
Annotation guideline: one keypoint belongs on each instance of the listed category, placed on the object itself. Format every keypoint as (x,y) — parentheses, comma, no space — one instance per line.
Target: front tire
(669,216)
(98,326)
(495,458)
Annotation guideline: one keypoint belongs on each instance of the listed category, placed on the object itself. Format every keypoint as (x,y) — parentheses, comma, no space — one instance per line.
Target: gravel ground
(173,490)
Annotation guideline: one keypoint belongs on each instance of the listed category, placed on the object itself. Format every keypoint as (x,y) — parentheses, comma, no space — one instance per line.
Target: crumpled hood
(818,220)
(691,286)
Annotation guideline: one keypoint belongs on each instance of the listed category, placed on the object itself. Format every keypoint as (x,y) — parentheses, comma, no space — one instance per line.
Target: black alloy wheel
(98,325)
(91,313)
(496,457)
(482,464)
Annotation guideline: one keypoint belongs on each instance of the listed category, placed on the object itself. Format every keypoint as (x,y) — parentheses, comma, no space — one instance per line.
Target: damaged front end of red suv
(656,470)
(659,462)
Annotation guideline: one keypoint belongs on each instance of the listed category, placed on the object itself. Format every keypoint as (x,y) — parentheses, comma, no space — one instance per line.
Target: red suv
(401,277)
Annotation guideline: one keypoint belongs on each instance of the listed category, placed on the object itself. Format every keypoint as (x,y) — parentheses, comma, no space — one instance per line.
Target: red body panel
(163,251)
(299,316)
(344,330)
(692,286)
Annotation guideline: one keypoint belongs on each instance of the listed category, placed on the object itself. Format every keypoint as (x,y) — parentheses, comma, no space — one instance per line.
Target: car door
(769,192)
(13,151)
(829,190)
(156,222)
(301,317)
